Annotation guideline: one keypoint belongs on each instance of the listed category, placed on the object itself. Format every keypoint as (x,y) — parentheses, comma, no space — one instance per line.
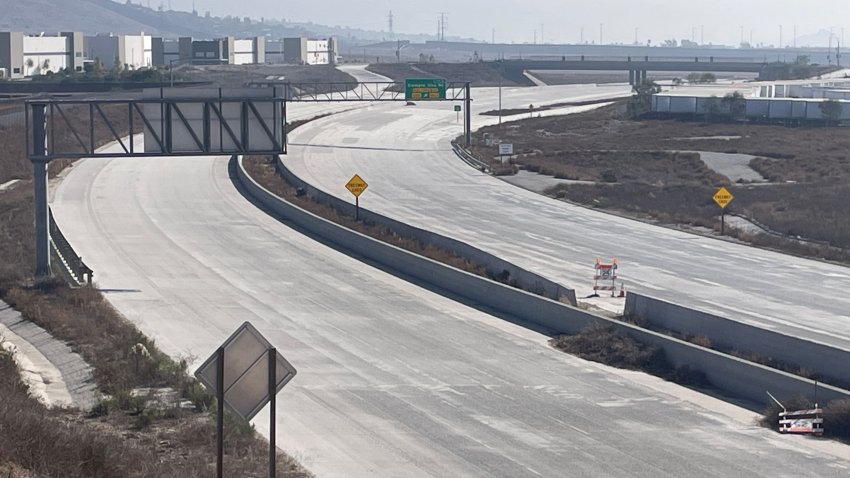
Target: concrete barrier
(495,266)
(824,360)
(733,376)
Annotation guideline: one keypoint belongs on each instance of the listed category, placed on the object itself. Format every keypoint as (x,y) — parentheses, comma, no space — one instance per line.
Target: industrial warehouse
(24,55)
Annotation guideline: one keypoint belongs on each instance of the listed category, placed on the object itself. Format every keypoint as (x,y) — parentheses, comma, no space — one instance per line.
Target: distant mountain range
(107,16)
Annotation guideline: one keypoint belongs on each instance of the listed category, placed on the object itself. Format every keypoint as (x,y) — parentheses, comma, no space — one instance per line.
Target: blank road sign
(246,371)
(506,149)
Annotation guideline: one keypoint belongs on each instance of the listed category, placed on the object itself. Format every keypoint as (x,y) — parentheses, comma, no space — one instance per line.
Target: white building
(310,51)
(249,52)
(131,51)
(29,55)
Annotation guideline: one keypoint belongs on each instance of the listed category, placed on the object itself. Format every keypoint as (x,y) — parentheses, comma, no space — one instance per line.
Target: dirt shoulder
(647,169)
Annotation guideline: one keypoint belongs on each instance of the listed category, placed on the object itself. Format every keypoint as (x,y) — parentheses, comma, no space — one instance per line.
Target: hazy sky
(561,20)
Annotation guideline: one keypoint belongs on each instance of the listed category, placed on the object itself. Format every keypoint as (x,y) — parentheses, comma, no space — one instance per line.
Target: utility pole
(794,40)
(702,34)
(636,35)
(600,33)
(541,34)
(581,41)
(493,37)
(780,36)
(742,36)
(390,24)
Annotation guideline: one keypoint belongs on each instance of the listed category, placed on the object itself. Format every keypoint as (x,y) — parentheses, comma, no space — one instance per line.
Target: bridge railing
(635,58)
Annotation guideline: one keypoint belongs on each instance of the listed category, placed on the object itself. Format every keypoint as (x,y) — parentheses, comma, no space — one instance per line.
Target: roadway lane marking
(706,281)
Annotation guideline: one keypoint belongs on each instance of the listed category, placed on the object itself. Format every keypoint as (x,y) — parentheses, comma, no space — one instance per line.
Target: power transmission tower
(390,24)
(442,25)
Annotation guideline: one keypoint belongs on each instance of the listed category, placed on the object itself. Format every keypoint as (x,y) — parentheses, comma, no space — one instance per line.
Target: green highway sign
(424,89)
(457,108)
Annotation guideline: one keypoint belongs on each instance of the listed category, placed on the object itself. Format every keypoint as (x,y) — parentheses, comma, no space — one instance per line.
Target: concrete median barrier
(822,359)
(496,266)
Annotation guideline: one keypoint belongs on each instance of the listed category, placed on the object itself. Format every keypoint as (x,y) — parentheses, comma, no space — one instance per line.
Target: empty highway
(403,153)
(393,380)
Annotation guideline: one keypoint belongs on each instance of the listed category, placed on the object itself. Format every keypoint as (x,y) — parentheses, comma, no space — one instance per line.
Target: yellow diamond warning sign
(356,185)
(723,197)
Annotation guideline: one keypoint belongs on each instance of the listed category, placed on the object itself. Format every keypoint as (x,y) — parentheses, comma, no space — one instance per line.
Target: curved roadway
(393,380)
(403,152)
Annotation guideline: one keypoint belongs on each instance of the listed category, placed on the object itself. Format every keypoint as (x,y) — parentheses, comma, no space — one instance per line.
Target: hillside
(67,15)
(105,16)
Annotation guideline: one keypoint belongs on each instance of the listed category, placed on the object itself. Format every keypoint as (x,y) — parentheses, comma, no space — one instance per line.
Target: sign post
(723,197)
(246,372)
(356,185)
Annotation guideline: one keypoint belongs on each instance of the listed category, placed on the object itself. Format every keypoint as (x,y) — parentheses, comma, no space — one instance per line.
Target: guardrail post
(39,176)
(467,127)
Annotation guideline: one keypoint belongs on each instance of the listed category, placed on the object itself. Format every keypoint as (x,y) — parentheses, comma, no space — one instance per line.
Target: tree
(736,104)
(831,111)
(98,67)
(641,101)
(712,108)
(708,78)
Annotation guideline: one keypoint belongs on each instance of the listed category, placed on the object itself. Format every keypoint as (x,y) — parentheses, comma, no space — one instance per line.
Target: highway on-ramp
(403,153)
(393,380)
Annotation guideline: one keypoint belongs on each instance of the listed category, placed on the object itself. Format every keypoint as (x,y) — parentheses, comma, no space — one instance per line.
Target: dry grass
(659,167)
(601,343)
(36,441)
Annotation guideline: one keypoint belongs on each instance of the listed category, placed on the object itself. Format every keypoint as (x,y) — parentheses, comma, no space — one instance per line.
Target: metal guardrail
(73,269)
(469,159)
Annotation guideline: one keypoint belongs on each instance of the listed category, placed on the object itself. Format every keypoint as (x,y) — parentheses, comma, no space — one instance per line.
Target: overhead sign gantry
(190,122)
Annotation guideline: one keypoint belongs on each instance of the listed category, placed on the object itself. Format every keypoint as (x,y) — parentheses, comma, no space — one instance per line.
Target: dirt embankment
(638,172)
(479,74)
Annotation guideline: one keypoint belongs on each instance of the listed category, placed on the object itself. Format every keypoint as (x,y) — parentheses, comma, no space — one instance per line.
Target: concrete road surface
(403,153)
(393,379)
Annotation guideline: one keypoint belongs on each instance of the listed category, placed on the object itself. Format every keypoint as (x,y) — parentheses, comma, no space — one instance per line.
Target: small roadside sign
(246,387)
(245,373)
(506,149)
(458,108)
(356,185)
(723,197)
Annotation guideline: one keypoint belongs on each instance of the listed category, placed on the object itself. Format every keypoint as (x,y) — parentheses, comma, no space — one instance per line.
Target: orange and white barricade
(605,278)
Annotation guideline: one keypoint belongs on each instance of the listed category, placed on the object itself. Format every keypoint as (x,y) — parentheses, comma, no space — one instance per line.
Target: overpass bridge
(636,66)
